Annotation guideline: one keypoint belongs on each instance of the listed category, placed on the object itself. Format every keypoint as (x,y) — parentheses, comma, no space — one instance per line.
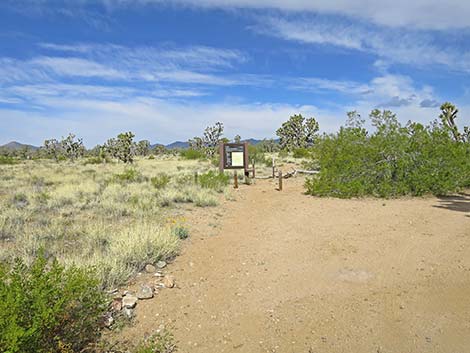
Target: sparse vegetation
(106,216)
(160,181)
(161,342)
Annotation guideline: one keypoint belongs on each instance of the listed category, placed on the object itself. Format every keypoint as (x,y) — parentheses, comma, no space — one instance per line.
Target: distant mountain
(17,146)
(183,145)
(177,144)
(253,142)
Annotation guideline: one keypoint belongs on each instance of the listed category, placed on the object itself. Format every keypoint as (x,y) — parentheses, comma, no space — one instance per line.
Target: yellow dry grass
(109,216)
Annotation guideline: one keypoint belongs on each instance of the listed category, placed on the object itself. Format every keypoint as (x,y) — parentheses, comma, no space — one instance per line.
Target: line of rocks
(126,301)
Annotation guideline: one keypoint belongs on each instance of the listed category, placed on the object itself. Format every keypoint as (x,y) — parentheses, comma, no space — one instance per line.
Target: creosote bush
(7,160)
(47,308)
(213,180)
(128,176)
(392,161)
(301,153)
(192,154)
(160,181)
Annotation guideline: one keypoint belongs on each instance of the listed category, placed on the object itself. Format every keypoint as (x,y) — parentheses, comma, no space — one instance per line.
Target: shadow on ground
(459,203)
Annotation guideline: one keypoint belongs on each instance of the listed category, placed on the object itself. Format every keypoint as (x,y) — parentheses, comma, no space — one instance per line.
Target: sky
(167,69)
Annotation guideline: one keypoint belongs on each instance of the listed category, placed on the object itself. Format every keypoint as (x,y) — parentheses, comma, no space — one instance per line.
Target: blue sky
(166,69)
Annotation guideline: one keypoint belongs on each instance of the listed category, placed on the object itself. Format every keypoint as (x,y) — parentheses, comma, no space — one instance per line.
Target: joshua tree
(448,116)
(297,132)
(209,141)
(53,149)
(122,147)
(72,148)
(143,148)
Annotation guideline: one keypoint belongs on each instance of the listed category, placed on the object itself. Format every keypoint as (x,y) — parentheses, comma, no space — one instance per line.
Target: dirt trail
(285,272)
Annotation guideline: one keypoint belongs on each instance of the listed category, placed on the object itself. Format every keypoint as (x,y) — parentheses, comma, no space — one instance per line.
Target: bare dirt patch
(285,272)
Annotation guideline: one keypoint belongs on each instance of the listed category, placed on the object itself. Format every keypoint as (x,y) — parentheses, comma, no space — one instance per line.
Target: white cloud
(392,45)
(153,119)
(186,65)
(421,14)
(76,67)
(315,84)
(424,14)
(96,113)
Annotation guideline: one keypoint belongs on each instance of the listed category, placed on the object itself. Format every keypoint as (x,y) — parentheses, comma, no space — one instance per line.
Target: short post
(196,177)
(254,169)
(280,181)
(235,180)
(274,169)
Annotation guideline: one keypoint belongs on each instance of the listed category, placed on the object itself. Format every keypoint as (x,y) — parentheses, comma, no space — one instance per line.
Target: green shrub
(213,180)
(393,161)
(301,153)
(192,154)
(283,154)
(7,160)
(181,232)
(128,176)
(257,155)
(94,160)
(160,181)
(46,308)
(162,342)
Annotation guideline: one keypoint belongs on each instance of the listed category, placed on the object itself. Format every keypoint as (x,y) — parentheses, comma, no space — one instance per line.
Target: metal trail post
(235,180)
(280,181)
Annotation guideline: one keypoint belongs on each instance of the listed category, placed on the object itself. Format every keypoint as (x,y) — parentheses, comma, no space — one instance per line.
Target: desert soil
(286,272)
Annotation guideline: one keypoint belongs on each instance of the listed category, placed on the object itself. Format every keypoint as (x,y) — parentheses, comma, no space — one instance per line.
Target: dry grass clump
(109,216)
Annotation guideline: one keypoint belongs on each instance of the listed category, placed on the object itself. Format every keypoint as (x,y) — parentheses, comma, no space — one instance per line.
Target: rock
(149,268)
(129,301)
(158,285)
(128,292)
(161,264)
(129,313)
(116,305)
(145,292)
(159,274)
(108,320)
(169,281)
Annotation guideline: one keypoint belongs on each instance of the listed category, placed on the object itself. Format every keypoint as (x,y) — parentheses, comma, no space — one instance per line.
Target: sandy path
(285,272)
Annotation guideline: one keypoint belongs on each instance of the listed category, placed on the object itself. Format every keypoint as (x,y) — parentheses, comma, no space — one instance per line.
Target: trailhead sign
(234,156)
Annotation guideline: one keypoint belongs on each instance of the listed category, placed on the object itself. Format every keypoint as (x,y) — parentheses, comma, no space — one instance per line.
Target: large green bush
(394,160)
(47,308)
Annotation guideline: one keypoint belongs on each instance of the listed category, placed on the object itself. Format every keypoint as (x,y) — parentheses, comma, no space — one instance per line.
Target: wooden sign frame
(224,162)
